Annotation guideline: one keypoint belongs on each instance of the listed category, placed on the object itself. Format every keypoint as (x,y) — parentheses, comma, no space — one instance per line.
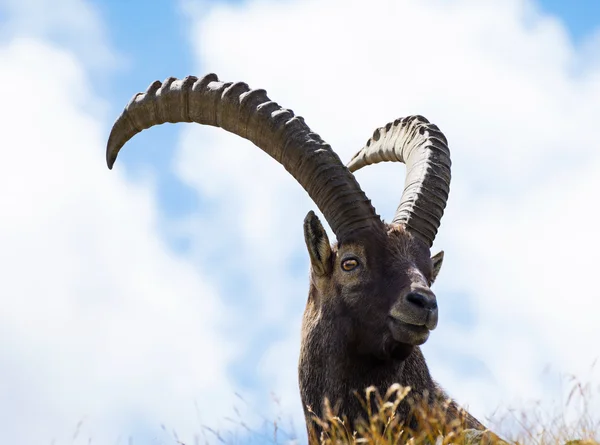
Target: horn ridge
(250,114)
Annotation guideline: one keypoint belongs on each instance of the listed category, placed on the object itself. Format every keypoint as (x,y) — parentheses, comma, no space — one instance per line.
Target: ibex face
(380,284)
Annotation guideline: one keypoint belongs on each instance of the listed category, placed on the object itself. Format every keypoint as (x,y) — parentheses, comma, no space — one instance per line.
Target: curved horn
(424,149)
(253,116)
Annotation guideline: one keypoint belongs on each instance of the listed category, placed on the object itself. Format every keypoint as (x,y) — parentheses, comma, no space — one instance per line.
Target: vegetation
(534,427)
(574,423)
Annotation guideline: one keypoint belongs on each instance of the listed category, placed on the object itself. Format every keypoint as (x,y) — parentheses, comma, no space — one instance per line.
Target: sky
(162,301)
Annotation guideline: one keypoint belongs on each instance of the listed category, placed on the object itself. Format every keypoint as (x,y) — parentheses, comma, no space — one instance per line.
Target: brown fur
(347,345)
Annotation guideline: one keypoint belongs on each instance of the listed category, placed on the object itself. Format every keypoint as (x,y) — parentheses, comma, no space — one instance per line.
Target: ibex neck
(330,367)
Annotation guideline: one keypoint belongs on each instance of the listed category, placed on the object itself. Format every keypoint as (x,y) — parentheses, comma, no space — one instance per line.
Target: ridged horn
(424,149)
(253,116)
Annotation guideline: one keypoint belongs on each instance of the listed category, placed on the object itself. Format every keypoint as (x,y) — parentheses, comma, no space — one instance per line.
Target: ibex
(370,303)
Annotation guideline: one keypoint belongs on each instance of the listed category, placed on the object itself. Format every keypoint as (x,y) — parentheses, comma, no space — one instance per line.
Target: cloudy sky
(146,303)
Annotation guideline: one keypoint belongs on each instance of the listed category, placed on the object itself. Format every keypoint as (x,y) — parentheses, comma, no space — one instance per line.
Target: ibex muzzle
(414,315)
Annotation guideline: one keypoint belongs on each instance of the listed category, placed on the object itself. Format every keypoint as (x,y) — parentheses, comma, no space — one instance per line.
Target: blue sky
(580,18)
(154,293)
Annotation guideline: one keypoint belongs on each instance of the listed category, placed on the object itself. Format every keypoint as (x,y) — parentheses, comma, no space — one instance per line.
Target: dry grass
(574,424)
(381,425)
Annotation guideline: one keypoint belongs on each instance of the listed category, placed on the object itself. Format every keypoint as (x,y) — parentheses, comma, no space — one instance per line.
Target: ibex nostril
(422,301)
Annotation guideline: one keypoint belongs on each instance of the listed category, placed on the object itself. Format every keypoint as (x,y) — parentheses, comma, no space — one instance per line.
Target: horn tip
(111,156)
(109,163)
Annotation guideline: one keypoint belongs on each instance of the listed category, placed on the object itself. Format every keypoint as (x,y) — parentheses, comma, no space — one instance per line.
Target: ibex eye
(349,264)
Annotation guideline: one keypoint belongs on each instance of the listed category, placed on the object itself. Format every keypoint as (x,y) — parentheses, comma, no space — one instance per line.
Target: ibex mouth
(412,334)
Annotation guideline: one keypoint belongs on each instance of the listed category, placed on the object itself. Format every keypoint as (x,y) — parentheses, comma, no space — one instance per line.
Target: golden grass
(381,426)
(573,423)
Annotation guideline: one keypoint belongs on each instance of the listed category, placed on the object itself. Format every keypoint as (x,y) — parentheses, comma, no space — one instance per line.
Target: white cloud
(99,320)
(71,22)
(519,104)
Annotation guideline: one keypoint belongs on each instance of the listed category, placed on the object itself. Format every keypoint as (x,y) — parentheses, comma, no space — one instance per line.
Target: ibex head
(378,280)
(378,275)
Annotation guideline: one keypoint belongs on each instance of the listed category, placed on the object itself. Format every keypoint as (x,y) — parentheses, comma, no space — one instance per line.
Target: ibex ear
(437,261)
(317,243)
